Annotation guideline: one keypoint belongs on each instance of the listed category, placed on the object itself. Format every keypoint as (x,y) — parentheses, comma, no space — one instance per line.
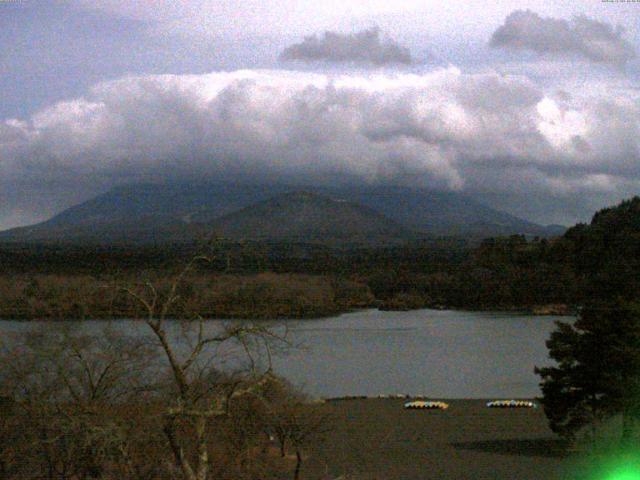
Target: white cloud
(444,129)
(562,127)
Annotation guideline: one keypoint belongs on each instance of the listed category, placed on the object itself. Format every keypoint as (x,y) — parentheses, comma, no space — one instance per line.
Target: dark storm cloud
(591,39)
(367,46)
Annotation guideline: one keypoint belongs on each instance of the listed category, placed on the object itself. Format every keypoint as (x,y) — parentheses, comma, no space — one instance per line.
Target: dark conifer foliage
(598,368)
(598,357)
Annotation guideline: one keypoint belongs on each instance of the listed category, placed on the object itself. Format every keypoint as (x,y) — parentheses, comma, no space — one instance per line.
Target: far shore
(540,310)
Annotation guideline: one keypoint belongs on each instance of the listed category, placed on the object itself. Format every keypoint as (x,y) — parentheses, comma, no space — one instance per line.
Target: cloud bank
(368,47)
(582,36)
(444,129)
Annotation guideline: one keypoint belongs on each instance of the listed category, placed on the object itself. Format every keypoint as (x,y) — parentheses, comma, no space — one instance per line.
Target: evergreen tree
(598,368)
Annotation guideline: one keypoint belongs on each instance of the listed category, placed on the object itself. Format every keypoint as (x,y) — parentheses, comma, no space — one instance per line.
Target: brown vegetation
(155,406)
(212,295)
(78,406)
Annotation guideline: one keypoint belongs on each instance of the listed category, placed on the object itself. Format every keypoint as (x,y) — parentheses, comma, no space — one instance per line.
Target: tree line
(249,279)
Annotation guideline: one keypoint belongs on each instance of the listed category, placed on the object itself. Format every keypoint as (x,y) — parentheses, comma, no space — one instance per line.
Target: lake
(444,354)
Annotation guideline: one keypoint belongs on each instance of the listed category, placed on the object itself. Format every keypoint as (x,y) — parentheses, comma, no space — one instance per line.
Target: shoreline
(348,398)
(538,311)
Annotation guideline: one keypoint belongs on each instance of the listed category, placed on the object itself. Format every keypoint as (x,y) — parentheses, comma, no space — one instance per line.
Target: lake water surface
(446,354)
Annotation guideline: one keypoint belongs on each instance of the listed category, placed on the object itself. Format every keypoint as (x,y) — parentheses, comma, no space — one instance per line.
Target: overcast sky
(533,107)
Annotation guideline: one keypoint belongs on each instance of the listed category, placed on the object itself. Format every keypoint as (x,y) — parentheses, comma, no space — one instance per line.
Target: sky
(530,106)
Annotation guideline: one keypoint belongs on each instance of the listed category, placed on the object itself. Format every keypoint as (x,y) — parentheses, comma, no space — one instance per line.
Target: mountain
(441,213)
(144,213)
(180,212)
(310,217)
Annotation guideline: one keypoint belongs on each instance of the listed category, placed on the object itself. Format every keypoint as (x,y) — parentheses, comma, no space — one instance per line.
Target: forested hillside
(505,273)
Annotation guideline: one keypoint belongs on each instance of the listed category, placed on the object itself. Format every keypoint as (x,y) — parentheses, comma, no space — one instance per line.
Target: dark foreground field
(378,439)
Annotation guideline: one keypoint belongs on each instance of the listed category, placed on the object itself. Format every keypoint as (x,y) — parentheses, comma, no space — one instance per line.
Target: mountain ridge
(180,212)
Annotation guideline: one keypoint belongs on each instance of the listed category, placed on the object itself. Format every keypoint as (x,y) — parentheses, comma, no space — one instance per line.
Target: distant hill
(442,213)
(181,212)
(144,213)
(310,217)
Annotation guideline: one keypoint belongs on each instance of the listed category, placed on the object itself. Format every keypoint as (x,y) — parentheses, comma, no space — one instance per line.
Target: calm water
(446,354)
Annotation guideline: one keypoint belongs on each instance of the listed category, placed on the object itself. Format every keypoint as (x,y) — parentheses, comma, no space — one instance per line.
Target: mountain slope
(144,213)
(309,217)
(439,213)
(179,212)
(162,203)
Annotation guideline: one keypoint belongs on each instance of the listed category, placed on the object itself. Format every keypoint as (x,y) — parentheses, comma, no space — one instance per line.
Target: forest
(284,280)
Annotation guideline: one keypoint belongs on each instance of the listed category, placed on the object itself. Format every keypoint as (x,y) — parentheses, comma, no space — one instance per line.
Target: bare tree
(202,393)
(91,404)
(59,363)
(62,383)
(292,419)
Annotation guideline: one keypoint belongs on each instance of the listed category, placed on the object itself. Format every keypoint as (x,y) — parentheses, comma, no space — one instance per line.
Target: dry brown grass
(263,295)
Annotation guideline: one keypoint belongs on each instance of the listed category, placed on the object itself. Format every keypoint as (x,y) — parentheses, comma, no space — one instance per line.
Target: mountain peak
(305,216)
